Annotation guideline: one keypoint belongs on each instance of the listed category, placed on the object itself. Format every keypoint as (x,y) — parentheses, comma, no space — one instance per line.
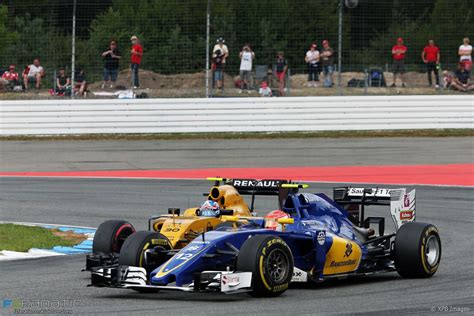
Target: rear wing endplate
(402,203)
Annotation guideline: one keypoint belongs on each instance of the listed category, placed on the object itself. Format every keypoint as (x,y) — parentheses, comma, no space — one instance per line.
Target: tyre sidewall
(410,246)
(254,258)
(106,235)
(132,253)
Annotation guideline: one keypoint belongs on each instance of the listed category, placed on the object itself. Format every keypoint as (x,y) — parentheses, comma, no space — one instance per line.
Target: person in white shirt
(465,52)
(265,90)
(33,73)
(312,59)
(246,58)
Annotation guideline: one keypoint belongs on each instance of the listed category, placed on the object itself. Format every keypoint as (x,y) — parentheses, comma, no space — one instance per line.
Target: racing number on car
(183,256)
(171,229)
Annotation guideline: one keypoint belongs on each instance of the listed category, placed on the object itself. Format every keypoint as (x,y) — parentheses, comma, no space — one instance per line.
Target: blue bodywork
(316,218)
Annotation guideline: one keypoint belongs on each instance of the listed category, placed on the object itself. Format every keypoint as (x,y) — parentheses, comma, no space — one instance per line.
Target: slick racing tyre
(111,235)
(270,260)
(417,250)
(144,249)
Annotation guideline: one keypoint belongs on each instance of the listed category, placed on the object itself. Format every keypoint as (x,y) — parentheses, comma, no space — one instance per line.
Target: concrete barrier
(60,117)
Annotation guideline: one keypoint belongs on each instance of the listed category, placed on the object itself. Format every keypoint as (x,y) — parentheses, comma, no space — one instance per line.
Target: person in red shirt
(10,77)
(430,56)
(135,60)
(398,55)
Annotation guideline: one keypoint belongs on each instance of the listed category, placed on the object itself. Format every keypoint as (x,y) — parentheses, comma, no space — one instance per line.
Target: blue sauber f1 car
(318,239)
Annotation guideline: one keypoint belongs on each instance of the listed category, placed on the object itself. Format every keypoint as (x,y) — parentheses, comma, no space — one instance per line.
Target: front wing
(129,277)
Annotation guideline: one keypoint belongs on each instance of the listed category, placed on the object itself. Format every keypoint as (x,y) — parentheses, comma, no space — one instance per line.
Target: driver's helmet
(209,208)
(272,217)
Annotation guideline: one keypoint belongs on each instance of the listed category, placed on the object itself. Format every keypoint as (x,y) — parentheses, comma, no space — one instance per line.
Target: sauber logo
(348,250)
(230,280)
(321,237)
(406,215)
(406,200)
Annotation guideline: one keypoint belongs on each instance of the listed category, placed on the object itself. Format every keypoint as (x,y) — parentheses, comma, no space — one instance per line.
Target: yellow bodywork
(343,256)
(180,230)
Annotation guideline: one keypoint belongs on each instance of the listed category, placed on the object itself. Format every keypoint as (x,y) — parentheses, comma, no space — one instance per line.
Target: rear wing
(254,187)
(402,203)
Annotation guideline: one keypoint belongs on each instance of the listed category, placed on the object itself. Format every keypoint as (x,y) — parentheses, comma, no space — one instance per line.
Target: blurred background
(178,38)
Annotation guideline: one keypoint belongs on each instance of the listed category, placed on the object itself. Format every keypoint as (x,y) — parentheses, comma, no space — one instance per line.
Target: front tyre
(417,250)
(145,249)
(271,262)
(110,236)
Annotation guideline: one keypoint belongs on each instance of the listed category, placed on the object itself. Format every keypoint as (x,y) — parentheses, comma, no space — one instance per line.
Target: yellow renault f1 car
(174,230)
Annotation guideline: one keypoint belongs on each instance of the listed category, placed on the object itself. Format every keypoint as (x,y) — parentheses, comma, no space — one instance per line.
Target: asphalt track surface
(184,154)
(89,201)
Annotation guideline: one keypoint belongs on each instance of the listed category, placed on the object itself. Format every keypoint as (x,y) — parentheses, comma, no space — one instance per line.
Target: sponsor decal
(230,280)
(348,250)
(256,183)
(160,242)
(299,275)
(375,192)
(406,215)
(406,200)
(336,264)
(321,237)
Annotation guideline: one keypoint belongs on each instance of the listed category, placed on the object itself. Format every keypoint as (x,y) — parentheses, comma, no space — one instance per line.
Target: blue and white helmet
(210,208)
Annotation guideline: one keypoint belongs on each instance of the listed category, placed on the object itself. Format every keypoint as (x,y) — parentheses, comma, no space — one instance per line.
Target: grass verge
(22,238)
(253,135)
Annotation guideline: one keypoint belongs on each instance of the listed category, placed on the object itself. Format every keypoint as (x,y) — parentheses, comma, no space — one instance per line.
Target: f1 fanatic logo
(348,250)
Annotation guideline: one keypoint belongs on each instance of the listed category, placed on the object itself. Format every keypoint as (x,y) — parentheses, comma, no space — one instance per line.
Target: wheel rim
(121,235)
(277,266)
(432,250)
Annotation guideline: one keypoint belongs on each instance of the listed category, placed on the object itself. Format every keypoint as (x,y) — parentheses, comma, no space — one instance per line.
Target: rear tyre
(270,260)
(111,235)
(417,250)
(143,249)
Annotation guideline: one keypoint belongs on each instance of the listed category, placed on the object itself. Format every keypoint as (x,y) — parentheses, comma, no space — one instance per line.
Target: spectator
(33,73)
(10,78)
(465,51)
(327,56)
(312,59)
(430,56)
(246,58)
(63,83)
(222,48)
(281,69)
(111,57)
(461,79)
(265,90)
(224,53)
(398,54)
(80,83)
(217,62)
(447,79)
(136,60)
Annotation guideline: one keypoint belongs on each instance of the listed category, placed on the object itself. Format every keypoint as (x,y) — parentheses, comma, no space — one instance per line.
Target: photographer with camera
(217,65)
(246,58)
